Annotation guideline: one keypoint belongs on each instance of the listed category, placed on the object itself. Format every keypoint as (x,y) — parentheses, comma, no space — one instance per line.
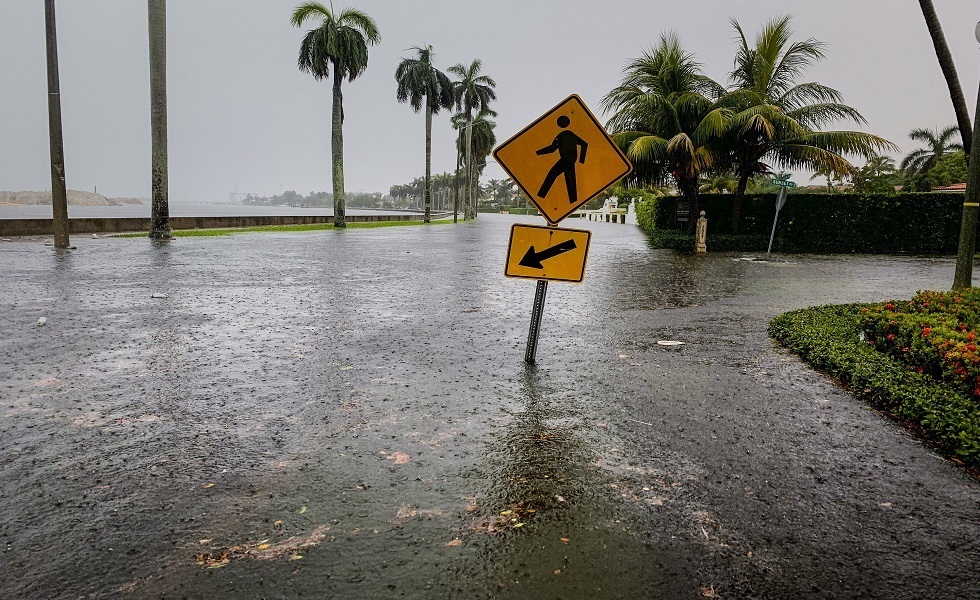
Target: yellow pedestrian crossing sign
(567,143)
(547,253)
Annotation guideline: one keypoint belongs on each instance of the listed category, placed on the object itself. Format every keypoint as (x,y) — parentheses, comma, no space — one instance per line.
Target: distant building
(956,187)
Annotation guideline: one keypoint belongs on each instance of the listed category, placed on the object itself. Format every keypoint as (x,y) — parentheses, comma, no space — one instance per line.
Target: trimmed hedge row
(827,223)
(827,337)
(720,242)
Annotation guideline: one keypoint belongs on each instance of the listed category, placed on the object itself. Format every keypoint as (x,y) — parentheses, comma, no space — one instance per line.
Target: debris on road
(400,458)
(263,550)
(42,321)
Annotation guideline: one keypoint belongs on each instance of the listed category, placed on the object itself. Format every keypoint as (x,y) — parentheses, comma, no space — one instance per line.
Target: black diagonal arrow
(533,259)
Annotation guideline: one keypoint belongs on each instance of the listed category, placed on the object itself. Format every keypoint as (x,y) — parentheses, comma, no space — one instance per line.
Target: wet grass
(829,339)
(286,228)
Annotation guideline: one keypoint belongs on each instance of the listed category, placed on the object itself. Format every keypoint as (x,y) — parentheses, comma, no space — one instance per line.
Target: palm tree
(482,141)
(878,175)
(472,92)
(160,209)
(777,121)
(417,80)
(718,183)
(938,142)
(339,42)
(880,165)
(665,118)
(831,175)
(949,72)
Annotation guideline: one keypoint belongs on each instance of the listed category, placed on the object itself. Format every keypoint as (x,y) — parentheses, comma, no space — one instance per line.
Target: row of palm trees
(676,123)
(339,45)
(421,84)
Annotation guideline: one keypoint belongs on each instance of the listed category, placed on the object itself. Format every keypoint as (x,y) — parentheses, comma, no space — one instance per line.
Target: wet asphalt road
(348,415)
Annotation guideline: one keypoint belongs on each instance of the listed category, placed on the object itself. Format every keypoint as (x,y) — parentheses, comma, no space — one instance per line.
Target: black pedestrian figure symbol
(567,145)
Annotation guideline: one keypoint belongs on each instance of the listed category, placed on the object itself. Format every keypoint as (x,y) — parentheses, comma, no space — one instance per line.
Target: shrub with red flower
(934,333)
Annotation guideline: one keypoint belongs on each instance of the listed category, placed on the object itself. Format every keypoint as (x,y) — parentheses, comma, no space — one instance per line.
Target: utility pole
(59,192)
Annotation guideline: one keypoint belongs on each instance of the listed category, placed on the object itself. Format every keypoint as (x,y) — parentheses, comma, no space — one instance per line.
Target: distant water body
(187,209)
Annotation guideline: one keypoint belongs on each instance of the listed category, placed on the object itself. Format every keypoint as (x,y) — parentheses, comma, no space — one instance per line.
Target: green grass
(284,228)
(828,338)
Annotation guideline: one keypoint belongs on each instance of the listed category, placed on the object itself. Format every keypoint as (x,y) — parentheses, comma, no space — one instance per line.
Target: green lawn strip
(284,228)
(827,337)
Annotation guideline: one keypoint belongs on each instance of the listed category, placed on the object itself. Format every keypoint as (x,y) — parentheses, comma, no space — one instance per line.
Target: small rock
(42,321)
(158,295)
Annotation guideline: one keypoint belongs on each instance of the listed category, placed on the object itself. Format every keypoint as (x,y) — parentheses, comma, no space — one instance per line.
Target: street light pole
(971,207)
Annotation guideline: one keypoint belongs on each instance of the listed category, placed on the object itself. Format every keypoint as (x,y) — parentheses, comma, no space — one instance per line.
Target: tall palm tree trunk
(337,151)
(428,160)
(160,185)
(459,156)
(963,278)
(949,72)
(739,201)
(59,192)
(468,211)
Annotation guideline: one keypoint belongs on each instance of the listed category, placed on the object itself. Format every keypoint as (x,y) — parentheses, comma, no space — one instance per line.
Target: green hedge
(827,223)
(827,337)
(720,242)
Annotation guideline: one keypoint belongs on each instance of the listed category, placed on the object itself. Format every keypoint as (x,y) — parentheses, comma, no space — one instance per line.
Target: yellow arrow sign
(563,159)
(547,253)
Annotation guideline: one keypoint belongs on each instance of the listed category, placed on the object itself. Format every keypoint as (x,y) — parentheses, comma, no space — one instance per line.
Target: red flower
(889,306)
(926,331)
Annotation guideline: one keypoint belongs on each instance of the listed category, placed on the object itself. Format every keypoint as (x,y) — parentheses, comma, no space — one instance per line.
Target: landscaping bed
(923,381)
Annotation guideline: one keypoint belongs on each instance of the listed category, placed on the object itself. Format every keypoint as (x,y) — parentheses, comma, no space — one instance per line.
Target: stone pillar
(631,213)
(701,235)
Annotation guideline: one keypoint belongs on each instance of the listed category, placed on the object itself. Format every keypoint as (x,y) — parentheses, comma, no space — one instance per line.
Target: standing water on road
(347,414)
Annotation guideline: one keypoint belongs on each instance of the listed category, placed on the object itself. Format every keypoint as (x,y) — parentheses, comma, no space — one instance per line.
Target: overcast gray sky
(241,112)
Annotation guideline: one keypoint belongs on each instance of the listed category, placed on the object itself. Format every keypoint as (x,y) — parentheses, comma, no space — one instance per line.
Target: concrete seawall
(18,227)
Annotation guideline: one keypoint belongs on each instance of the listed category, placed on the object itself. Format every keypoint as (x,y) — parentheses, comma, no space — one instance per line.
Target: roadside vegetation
(914,360)
(919,224)
(679,126)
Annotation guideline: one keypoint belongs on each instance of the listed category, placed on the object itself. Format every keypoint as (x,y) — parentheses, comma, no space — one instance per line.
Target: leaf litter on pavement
(263,550)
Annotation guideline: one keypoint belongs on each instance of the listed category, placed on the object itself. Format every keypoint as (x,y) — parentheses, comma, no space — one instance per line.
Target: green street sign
(782,182)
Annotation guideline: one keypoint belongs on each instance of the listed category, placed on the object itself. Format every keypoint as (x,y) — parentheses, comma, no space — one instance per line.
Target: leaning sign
(566,143)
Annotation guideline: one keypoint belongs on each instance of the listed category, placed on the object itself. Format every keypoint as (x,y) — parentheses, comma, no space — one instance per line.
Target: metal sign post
(567,143)
(536,313)
(780,202)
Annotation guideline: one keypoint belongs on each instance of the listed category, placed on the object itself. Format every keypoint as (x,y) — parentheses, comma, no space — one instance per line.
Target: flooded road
(347,414)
